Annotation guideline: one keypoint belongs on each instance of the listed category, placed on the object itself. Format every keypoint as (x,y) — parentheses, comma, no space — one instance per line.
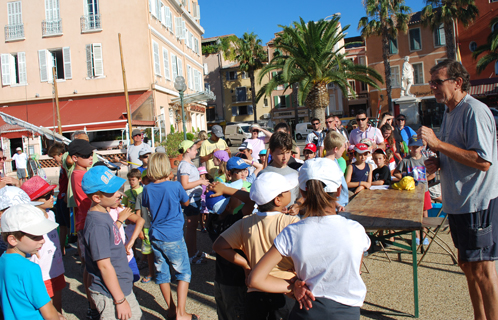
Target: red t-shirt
(82,201)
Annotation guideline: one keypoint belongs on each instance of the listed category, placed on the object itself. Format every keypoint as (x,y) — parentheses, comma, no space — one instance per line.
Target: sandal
(197,260)
(146,279)
(200,254)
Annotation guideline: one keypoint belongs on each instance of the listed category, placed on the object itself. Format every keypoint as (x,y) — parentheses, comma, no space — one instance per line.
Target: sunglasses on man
(361,119)
(3,158)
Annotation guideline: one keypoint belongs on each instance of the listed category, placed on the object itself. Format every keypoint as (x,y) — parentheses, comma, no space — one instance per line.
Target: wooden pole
(128,112)
(57,101)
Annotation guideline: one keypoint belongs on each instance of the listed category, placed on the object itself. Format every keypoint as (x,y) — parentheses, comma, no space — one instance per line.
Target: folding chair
(437,223)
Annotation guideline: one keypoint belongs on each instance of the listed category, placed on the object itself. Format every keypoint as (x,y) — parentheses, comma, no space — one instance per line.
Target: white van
(237,133)
(302,130)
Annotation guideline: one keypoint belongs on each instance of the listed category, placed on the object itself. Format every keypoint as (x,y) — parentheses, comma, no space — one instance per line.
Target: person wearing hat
(132,153)
(254,236)
(144,155)
(309,151)
(111,279)
(263,156)
(209,146)
(191,181)
(257,142)
(21,160)
(24,295)
(50,256)
(414,165)
(359,173)
(405,131)
(326,251)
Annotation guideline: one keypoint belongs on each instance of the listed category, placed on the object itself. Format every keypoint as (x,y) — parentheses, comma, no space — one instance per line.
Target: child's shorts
(172,254)
(134,269)
(146,248)
(107,309)
(55,284)
(427,201)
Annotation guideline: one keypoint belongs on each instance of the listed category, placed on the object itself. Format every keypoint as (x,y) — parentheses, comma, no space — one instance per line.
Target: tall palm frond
(490,48)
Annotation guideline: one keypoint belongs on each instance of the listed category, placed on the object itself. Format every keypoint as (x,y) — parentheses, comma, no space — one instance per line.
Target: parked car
(237,133)
(302,130)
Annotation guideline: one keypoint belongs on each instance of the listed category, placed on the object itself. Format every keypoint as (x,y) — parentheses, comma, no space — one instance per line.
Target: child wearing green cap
(189,177)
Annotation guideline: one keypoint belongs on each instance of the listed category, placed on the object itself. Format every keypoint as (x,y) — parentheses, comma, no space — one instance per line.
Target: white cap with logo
(268,186)
(28,219)
(322,169)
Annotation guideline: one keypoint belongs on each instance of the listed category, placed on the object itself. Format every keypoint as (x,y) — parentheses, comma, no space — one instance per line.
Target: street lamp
(180,86)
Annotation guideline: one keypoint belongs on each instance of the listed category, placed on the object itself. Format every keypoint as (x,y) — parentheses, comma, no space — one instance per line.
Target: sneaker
(426,242)
(92,314)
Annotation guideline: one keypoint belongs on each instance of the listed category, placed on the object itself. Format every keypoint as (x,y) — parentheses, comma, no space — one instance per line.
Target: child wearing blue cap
(106,261)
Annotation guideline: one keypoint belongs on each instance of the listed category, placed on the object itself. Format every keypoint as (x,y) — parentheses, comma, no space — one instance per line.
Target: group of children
(277,231)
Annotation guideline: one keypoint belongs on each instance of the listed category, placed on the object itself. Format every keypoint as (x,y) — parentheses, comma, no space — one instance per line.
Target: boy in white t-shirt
(254,235)
(49,258)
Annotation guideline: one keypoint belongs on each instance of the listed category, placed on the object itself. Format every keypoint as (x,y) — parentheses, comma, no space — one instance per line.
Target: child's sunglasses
(47,196)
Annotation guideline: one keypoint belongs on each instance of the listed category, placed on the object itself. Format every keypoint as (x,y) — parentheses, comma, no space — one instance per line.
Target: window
(52,24)
(352,87)
(94,61)
(14,68)
(393,46)
(157,63)
(439,36)
(211,113)
(265,102)
(180,28)
(245,75)
(166,64)
(168,22)
(415,40)
(197,80)
(231,75)
(190,77)
(282,101)
(196,45)
(58,58)
(241,94)
(176,67)
(418,73)
(363,86)
(242,111)
(15,28)
(395,76)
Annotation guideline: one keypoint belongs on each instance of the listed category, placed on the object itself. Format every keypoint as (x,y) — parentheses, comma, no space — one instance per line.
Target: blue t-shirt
(407,133)
(164,202)
(22,291)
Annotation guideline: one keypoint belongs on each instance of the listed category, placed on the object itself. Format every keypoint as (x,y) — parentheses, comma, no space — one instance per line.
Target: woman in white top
(326,249)
(257,142)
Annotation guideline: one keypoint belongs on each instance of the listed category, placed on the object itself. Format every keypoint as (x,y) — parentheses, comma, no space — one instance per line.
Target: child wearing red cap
(309,151)
(359,174)
(49,258)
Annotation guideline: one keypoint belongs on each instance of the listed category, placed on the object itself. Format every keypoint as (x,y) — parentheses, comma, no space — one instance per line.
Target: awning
(91,113)
(196,97)
(484,87)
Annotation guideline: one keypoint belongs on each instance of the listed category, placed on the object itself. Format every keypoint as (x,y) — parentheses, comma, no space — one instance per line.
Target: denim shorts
(172,254)
(475,234)
(193,209)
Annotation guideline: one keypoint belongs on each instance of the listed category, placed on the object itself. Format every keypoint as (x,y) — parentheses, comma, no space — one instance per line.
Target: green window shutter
(277,101)
(287,101)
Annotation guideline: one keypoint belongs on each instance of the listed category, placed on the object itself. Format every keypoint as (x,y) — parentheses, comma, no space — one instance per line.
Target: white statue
(407,78)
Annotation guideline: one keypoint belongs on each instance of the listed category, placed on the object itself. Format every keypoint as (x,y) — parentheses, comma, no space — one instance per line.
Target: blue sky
(220,17)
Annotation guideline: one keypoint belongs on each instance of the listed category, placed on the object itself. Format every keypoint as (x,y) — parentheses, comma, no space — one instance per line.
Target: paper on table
(383,187)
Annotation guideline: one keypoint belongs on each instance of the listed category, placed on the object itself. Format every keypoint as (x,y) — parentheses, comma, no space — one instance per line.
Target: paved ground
(442,286)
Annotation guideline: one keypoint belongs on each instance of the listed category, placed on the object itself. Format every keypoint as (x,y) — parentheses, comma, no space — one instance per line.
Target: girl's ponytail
(317,202)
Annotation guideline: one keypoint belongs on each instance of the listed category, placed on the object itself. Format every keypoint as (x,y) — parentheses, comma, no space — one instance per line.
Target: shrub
(172,129)
(190,136)
(173,140)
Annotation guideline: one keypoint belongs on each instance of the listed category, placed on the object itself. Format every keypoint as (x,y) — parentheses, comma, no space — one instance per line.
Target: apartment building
(160,41)
(425,48)
(356,51)
(484,85)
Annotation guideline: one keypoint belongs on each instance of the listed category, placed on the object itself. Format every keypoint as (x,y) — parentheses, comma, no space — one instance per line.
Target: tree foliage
(311,54)
(490,48)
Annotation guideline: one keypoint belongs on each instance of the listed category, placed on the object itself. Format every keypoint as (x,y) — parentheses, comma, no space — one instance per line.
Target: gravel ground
(442,288)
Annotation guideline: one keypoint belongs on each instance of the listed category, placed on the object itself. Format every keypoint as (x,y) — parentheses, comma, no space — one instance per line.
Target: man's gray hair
(77,133)
(454,69)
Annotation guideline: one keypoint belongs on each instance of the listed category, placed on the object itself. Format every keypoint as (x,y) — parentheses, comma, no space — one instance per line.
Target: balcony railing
(90,22)
(51,27)
(14,32)
(358,96)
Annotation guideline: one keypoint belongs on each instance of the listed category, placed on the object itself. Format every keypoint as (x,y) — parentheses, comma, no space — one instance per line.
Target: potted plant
(172,142)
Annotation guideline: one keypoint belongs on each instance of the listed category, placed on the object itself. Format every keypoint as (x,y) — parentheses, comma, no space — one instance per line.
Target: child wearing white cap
(326,250)
(254,235)
(23,293)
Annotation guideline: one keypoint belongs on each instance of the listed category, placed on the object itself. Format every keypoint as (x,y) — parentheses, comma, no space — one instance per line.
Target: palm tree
(310,55)
(385,18)
(437,12)
(491,47)
(249,52)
